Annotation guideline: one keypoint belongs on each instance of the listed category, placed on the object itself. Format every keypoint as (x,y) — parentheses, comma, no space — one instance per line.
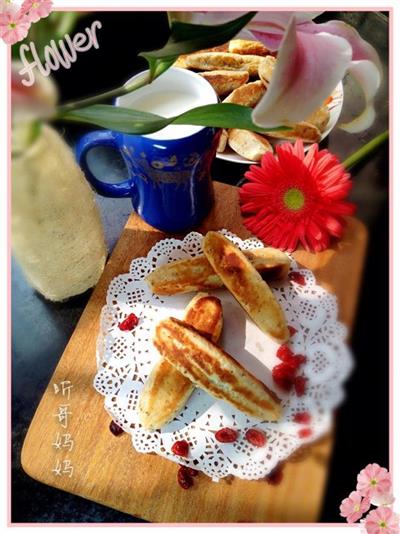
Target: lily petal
(271,38)
(308,68)
(204,17)
(209,18)
(365,67)
(282,18)
(361,49)
(269,26)
(367,75)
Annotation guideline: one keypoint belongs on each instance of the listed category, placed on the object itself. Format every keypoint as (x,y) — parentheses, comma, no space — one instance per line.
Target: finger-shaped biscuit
(319,118)
(247,95)
(225,81)
(181,60)
(246,285)
(265,69)
(214,370)
(302,130)
(224,61)
(196,274)
(166,389)
(222,141)
(243,46)
(249,145)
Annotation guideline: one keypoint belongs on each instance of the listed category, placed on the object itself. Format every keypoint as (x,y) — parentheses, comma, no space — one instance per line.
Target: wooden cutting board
(107,470)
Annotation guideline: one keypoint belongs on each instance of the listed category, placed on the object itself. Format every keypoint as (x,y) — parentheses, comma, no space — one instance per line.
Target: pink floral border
(15,20)
(374,487)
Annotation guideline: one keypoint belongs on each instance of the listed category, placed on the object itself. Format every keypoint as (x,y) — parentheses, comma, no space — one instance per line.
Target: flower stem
(366,150)
(119,91)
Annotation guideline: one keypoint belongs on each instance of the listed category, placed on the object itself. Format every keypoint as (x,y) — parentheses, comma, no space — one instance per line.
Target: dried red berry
(292,330)
(256,437)
(305,432)
(275,476)
(284,353)
(297,277)
(300,358)
(190,471)
(283,375)
(297,360)
(226,435)
(300,385)
(115,429)
(184,479)
(302,417)
(180,448)
(129,322)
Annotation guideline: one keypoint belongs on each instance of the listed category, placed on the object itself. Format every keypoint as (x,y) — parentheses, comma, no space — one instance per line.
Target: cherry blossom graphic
(14,26)
(374,487)
(8,5)
(382,520)
(36,9)
(15,21)
(373,480)
(354,507)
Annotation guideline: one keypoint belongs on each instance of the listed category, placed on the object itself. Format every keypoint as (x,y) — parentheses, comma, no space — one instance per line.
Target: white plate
(125,360)
(335,108)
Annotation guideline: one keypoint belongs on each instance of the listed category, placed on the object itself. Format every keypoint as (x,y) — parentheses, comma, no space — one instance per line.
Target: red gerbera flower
(296,198)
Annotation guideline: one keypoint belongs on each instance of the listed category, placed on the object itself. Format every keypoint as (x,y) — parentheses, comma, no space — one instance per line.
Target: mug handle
(101,138)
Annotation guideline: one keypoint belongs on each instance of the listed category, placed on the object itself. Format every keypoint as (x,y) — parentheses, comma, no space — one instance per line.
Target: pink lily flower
(312,60)
(14,26)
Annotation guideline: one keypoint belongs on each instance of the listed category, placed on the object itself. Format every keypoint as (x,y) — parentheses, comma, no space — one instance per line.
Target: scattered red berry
(275,477)
(297,360)
(305,432)
(300,358)
(180,448)
(184,479)
(302,417)
(292,330)
(190,471)
(226,435)
(283,375)
(297,277)
(256,437)
(284,353)
(300,385)
(115,429)
(129,322)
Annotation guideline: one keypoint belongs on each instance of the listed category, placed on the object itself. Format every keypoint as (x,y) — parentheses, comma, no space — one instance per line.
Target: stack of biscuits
(190,355)
(240,73)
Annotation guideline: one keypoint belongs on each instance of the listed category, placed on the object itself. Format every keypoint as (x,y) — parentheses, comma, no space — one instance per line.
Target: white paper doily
(126,358)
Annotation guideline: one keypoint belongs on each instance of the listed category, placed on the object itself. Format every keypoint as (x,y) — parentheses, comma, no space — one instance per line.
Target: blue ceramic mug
(169,178)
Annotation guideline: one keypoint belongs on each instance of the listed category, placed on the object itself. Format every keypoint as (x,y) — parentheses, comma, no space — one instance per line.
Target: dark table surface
(41,329)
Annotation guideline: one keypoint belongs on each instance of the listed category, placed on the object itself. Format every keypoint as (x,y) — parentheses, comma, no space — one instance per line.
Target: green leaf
(117,118)
(140,123)
(186,38)
(221,116)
